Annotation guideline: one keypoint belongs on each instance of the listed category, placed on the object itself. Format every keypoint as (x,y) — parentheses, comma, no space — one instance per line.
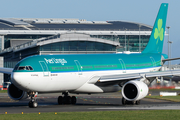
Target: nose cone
(17,78)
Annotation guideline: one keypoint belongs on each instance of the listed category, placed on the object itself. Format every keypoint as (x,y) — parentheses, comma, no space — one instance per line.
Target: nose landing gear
(32,103)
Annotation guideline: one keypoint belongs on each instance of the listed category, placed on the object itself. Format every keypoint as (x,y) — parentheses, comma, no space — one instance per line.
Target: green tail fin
(155,44)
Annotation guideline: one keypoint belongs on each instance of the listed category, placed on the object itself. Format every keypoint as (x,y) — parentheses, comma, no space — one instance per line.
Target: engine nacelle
(134,90)
(15,93)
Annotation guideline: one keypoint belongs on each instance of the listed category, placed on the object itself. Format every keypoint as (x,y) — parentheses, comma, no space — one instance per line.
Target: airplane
(92,73)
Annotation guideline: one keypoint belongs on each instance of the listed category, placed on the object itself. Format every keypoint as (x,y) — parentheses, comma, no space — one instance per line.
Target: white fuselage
(65,81)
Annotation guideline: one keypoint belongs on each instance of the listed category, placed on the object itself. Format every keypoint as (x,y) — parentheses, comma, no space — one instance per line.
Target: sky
(141,11)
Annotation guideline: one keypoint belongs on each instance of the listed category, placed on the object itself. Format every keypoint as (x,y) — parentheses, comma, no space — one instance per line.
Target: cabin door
(44,68)
(79,67)
(123,66)
(153,62)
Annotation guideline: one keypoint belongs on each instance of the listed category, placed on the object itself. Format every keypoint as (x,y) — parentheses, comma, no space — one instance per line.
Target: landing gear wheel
(133,102)
(60,100)
(33,104)
(73,100)
(137,102)
(30,104)
(67,99)
(124,101)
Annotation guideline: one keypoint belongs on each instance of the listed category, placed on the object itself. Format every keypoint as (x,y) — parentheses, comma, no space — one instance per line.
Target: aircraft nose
(15,79)
(18,80)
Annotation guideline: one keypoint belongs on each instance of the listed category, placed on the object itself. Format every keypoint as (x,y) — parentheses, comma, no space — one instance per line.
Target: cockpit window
(30,68)
(24,68)
(27,68)
(16,67)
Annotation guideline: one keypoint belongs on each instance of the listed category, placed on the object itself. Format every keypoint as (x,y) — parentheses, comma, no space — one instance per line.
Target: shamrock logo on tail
(158,34)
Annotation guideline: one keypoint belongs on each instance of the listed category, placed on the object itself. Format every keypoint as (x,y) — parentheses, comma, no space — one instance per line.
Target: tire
(124,101)
(60,100)
(68,100)
(133,102)
(34,104)
(30,104)
(73,100)
(137,102)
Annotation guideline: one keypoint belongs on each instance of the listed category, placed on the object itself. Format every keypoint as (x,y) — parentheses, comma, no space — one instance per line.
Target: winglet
(155,44)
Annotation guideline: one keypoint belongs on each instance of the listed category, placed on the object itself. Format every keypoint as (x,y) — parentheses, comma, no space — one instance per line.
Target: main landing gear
(126,102)
(66,99)
(32,103)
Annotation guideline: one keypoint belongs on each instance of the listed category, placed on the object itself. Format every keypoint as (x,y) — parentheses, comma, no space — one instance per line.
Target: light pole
(125,39)
(169,54)
(139,39)
(169,42)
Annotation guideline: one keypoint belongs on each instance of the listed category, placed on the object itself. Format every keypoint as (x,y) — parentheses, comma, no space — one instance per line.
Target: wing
(164,60)
(6,70)
(126,77)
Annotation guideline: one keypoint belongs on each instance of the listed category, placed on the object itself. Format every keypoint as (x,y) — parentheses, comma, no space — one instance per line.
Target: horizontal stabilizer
(170,59)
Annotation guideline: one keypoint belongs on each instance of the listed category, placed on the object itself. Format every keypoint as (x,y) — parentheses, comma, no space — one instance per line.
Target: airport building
(22,37)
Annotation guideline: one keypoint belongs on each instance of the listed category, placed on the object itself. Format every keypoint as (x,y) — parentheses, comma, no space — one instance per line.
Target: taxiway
(96,102)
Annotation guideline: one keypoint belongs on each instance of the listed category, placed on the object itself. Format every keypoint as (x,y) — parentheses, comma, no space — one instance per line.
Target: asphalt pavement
(95,102)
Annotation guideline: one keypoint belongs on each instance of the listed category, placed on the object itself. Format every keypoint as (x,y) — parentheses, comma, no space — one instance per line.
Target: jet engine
(15,93)
(134,90)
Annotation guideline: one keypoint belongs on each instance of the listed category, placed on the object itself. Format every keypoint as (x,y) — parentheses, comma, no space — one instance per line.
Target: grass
(3,91)
(99,115)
